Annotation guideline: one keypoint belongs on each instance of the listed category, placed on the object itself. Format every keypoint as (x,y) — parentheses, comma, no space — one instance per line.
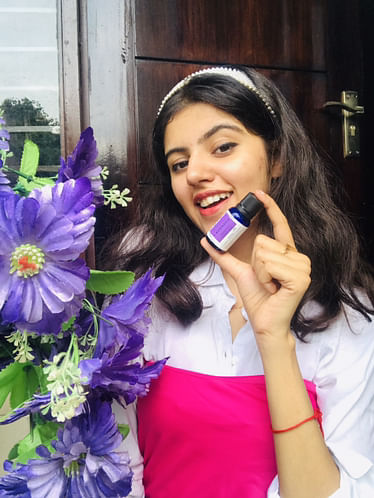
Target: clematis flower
(120,341)
(15,483)
(4,136)
(125,316)
(82,163)
(4,148)
(85,463)
(4,182)
(118,376)
(41,237)
(37,402)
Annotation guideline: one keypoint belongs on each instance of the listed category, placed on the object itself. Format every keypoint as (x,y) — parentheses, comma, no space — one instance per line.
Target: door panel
(267,33)
(312,49)
(301,44)
(165,74)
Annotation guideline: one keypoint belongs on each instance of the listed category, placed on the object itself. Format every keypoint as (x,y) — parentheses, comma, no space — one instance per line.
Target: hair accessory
(317,415)
(236,74)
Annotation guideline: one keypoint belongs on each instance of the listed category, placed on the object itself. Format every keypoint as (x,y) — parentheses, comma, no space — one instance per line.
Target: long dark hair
(166,239)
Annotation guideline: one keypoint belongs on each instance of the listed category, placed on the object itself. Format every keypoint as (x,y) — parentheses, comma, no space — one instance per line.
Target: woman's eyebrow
(217,128)
(176,150)
(206,136)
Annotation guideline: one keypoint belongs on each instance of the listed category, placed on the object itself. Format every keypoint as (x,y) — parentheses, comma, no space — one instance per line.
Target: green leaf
(25,387)
(110,282)
(67,325)
(38,182)
(29,166)
(124,429)
(20,381)
(7,379)
(5,349)
(40,434)
(30,159)
(13,452)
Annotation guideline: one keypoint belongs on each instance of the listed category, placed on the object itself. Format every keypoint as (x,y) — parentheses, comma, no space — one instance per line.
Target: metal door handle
(350,111)
(359,109)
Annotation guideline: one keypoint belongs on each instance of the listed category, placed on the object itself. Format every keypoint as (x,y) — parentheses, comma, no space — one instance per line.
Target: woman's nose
(199,169)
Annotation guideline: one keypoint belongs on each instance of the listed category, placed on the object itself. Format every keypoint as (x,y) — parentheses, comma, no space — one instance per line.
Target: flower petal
(11,311)
(47,216)
(32,304)
(58,237)
(48,295)
(25,216)
(59,222)
(5,279)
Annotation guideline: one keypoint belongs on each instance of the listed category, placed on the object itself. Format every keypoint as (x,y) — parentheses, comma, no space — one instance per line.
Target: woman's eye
(178,166)
(226,147)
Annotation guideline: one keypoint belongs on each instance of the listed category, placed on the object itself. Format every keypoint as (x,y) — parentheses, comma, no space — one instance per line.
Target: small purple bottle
(234,223)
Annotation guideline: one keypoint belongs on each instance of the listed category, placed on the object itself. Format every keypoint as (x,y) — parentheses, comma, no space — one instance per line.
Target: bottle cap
(249,206)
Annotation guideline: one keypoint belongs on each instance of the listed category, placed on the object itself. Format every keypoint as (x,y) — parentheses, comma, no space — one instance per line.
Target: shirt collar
(212,286)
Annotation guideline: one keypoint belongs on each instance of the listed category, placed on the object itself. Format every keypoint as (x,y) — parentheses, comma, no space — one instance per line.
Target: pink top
(207,436)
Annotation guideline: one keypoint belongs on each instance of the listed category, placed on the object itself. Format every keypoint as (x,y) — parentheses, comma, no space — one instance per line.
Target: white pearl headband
(236,74)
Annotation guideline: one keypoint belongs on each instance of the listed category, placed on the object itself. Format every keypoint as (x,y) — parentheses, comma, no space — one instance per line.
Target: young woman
(268,389)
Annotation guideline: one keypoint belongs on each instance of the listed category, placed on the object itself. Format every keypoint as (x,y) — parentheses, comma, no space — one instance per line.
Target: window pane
(29,92)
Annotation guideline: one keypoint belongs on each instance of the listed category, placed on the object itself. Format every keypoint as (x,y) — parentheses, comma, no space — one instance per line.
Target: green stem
(19,173)
(95,311)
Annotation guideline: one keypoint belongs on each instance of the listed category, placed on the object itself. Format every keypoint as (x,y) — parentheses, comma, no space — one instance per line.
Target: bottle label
(225,232)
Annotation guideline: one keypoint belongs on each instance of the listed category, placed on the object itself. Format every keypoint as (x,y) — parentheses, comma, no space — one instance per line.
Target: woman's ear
(276,170)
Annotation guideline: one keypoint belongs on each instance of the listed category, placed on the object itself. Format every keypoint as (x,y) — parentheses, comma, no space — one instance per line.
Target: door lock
(350,112)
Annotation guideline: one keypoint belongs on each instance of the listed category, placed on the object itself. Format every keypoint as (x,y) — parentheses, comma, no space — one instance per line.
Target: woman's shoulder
(347,338)
(347,322)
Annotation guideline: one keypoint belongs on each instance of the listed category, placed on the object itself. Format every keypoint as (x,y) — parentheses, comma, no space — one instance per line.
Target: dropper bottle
(234,223)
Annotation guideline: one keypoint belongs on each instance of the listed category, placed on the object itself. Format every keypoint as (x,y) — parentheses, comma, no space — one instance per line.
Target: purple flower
(4,147)
(85,463)
(35,405)
(4,182)
(15,483)
(117,377)
(41,237)
(121,338)
(4,137)
(125,316)
(4,134)
(82,163)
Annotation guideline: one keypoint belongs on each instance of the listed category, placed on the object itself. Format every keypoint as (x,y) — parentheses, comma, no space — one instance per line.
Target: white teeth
(211,199)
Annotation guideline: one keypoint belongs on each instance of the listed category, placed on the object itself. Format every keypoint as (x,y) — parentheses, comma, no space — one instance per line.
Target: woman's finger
(274,263)
(226,261)
(282,231)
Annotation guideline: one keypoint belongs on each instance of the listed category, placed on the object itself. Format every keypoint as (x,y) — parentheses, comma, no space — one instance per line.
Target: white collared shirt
(339,361)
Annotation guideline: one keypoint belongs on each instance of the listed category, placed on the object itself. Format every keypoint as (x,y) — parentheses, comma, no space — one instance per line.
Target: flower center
(27,260)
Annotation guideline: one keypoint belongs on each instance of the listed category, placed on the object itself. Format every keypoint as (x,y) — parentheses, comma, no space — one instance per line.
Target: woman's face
(213,162)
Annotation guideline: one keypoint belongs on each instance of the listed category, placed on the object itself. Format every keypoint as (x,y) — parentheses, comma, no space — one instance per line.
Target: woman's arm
(271,288)
(305,465)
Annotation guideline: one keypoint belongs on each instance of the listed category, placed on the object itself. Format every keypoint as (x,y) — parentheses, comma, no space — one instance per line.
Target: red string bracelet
(316,415)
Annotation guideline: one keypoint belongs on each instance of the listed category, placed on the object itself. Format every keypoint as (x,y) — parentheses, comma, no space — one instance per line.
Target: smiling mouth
(212,200)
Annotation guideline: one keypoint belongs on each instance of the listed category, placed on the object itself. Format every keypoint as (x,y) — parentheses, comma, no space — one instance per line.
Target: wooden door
(312,49)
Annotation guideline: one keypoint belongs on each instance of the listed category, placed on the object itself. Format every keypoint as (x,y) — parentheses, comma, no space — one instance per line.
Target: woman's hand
(273,285)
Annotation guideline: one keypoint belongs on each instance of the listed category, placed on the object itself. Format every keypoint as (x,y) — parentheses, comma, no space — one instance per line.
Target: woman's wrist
(272,347)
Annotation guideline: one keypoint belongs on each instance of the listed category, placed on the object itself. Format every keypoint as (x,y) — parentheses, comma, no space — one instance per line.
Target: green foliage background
(26,112)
